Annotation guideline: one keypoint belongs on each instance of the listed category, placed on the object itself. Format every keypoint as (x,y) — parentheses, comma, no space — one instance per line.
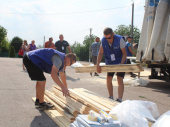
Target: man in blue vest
(50,61)
(113,48)
(129,52)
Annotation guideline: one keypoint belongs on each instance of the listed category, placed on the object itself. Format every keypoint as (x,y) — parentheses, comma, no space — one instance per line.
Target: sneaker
(91,74)
(111,97)
(133,75)
(119,100)
(45,106)
(95,74)
(37,103)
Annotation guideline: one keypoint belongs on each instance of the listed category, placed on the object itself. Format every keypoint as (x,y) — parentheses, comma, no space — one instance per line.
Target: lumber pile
(80,101)
(110,68)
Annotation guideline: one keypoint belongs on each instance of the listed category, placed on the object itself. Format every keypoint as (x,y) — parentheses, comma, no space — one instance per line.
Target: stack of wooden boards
(80,101)
(111,68)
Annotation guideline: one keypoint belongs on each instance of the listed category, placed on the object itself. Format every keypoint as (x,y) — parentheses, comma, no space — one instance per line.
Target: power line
(67,12)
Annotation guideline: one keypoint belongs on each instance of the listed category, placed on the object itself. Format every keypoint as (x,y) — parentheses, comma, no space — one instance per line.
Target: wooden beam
(64,106)
(97,98)
(111,68)
(66,114)
(69,99)
(58,118)
(95,106)
(71,102)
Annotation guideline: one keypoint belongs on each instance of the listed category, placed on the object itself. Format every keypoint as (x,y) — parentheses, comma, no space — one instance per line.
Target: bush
(11,51)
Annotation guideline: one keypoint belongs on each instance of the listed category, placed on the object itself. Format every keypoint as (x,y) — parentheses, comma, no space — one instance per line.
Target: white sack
(134,113)
(163,121)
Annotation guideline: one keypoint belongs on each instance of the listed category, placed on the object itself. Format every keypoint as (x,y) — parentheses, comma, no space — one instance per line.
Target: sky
(34,19)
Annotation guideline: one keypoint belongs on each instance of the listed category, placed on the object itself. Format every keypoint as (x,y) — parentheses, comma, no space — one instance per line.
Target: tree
(126,30)
(82,50)
(4,45)
(11,51)
(3,34)
(16,43)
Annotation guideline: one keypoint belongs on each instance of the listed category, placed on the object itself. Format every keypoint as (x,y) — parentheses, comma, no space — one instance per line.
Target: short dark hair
(72,56)
(107,31)
(60,35)
(50,38)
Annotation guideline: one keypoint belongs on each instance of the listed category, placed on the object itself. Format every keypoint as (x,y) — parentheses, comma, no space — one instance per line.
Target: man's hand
(65,91)
(98,69)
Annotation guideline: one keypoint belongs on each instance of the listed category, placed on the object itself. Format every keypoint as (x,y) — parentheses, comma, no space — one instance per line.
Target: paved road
(16,90)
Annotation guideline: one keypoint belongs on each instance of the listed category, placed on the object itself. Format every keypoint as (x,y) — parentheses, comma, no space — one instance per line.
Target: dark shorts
(94,60)
(119,74)
(34,72)
(128,61)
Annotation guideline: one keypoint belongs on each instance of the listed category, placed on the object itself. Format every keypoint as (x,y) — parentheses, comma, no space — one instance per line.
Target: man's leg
(40,89)
(109,85)
(120,87)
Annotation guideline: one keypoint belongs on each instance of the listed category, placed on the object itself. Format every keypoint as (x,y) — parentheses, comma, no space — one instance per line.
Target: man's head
(25,42)
(129,38)
(61,37)
(70,59)
(108,34)
(50,39)
(97,39)
(32,42)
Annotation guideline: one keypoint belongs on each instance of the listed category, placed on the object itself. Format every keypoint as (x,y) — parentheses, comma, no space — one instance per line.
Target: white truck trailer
(154,43)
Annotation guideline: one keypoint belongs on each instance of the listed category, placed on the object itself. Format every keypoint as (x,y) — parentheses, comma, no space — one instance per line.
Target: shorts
(128,61)
(94,60)
(119,74)
(34,72)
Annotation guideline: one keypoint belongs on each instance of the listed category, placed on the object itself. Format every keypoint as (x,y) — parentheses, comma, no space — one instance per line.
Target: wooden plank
(66,114)
(69,99)
(56,100)
(96,106)
(82,108)
(111,68)
(97,98)
(59,119)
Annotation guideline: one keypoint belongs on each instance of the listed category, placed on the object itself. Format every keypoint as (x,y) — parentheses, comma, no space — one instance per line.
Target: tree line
(80,49)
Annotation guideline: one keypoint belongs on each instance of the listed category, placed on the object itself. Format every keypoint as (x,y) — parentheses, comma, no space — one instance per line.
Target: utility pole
(132,24)
(44,42)
(90,45)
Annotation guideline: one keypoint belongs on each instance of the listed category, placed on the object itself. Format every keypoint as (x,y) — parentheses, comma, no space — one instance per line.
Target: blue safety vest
(42,58)
(127,50)
(114,49)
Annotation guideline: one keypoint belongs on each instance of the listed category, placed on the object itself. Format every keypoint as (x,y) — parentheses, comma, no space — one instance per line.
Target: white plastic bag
(163,121)
(77,64)
(134,113)
(135,82)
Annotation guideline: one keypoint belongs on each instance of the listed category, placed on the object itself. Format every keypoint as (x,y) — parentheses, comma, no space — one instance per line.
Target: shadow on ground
(72,79)
(43,121)
(163,87)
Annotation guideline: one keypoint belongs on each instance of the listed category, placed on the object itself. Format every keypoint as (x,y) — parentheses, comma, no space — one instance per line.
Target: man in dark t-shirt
(62,44)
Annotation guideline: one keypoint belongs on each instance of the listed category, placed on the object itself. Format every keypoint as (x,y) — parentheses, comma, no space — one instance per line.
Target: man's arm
(54,75)
(124,55)
(45,45)
(131,50)
(69,49)
(63,78)
(99,58)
